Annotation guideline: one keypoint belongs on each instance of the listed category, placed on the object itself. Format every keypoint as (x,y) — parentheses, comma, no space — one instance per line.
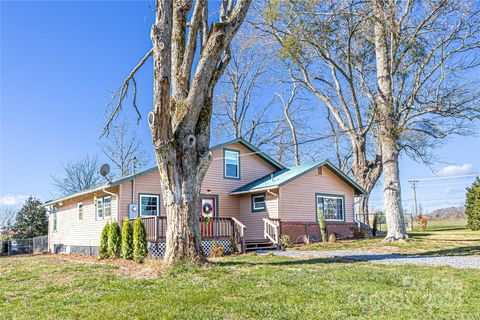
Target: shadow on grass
(289,262)
(440,229)
(459,251)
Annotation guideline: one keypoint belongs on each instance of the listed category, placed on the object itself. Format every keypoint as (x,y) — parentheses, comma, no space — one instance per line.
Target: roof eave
(253,148)
(78,194)
(234,193)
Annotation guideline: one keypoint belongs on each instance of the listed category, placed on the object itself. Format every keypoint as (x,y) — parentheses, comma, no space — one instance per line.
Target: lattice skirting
(158,249)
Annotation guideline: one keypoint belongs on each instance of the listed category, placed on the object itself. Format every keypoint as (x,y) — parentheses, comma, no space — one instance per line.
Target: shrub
(472,206)
(286,241)
(114,240)
(127,240)
(103,249)
(217,250)
(375,224)
(140,249)
(233,244)
(332,237)
(422,223)
(358,233)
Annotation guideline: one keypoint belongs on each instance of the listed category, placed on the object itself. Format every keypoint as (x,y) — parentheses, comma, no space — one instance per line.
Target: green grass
(243,287)
(440,238)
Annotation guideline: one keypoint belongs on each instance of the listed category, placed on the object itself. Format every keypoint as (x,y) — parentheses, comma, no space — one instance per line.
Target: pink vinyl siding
(252,167)
(254,220)
(297,198)
(146,184)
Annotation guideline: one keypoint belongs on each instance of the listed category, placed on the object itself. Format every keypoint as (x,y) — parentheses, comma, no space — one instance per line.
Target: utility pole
(414,187)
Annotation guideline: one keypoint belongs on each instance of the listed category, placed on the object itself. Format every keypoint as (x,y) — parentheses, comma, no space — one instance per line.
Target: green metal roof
(284,176)
(118,182)
(252,148)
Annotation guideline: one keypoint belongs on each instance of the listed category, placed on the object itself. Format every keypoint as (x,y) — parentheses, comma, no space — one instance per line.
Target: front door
(207,214)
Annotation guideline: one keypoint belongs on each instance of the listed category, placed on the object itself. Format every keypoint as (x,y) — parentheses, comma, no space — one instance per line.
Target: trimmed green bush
(286,241)
(127,240)
(472,206)
(375,224)
(140,249)
(114,240)
(103,249)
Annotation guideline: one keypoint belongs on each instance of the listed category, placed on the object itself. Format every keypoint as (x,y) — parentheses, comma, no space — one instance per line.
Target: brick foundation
(298,230)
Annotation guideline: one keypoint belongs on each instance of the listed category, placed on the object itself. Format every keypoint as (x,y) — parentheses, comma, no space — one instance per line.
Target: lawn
(441,238)
(241,287)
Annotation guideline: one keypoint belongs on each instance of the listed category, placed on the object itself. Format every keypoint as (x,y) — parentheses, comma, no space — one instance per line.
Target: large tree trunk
(389,132)
(182,107)
(181,199)
(392,201)
(366,174)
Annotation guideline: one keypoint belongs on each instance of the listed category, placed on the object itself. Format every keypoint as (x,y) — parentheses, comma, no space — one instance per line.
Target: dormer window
(231,164)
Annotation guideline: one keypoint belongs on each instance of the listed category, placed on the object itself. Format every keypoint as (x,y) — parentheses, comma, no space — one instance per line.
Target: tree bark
(181,116)
(386,120)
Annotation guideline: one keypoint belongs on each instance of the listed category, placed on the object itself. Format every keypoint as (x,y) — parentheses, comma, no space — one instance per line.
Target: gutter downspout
(272,193)
(116,198)
(355,202)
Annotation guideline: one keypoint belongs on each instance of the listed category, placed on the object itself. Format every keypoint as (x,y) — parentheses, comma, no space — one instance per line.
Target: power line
(423,200)
(451,177)
(446,184)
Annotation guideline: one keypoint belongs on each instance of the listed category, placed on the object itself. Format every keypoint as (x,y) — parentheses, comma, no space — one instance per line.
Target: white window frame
(332,197)
(261,209)
(140,210)
(54,220)
(98,208)
(80,211)
(236,157)
(109,207)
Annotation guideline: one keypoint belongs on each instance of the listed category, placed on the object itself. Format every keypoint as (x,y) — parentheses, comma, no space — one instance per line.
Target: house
(248,196)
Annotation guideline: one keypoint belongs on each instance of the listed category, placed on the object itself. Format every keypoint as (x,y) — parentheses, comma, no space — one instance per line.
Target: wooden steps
(259,244)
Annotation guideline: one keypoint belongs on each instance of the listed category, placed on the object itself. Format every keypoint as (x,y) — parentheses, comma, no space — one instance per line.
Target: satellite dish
(105,169)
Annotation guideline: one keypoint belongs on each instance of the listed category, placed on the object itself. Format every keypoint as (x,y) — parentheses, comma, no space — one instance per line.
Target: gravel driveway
(389,258)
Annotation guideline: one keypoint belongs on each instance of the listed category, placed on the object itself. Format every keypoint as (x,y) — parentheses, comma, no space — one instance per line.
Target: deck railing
(214,228)
(271,230)
(239,233)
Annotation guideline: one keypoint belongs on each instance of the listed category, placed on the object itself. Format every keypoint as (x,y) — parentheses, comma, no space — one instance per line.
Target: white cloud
(456,170)
(12,199)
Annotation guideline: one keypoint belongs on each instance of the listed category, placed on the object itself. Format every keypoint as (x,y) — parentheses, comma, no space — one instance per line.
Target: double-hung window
(232,164)
(107,207)
(149,205)
(80,211)
(332,207)
(258,202)
(104,207)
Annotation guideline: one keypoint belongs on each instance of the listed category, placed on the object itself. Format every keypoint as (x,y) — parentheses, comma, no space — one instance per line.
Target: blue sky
(58,61)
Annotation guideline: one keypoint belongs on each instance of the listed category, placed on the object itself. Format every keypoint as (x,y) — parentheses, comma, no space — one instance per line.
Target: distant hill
(452,213)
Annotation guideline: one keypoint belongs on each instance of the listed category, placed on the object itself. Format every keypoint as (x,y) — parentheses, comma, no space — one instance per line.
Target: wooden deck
(212,229)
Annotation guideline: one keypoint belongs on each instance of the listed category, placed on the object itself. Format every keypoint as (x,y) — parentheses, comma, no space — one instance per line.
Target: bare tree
(235,112)
(287,112)
(327,44)
(124,150)
(78,175)
(424,52)
(7,217)
(343,155)
(182,107)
